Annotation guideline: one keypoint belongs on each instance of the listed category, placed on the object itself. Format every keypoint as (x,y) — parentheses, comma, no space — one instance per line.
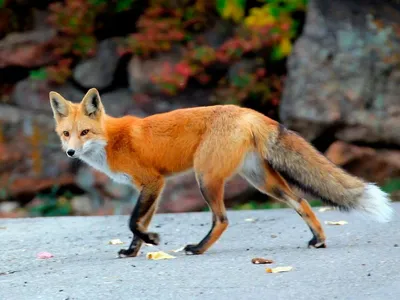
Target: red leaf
(183,68)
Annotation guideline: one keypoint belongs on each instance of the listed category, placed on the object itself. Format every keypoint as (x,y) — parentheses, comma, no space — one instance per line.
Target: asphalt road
(362,260)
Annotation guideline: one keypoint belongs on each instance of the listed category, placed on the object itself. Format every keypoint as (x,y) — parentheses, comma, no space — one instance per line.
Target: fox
(215,142)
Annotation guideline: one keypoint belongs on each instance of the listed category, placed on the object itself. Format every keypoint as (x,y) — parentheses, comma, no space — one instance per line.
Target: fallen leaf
(325,208)
(115,242)
(336,222)
(158,255)
(178,250)
(273,236)
(260,260)
(250,220)
(278,269)
(3,227)
(44,255)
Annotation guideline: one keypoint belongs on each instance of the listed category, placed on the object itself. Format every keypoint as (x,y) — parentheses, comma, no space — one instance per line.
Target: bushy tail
(303,166)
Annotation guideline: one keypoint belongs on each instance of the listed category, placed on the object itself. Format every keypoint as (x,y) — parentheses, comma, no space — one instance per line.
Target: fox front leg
(141,217)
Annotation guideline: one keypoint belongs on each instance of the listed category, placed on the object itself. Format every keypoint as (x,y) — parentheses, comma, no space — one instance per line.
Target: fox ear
(91,103)
(59,105)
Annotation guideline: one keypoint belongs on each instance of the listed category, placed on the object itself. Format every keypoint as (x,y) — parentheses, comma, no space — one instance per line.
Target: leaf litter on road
(158,255)
(115,242)
(44,255)
(336,222)
(279,269)
(252,220)
(260,260)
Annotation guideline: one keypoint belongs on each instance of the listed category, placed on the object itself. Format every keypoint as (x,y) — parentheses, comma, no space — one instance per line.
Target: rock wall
(344,73)
(31,159)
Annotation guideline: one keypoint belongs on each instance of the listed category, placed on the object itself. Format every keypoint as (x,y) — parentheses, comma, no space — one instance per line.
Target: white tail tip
(376,203)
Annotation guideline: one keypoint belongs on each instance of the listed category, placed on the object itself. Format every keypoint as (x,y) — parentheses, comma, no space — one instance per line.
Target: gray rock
(32,94)
(82,205)
(27,49)
(141,70)
(8,206)
(98,71)
(219,33)
(345,70)
(120,102)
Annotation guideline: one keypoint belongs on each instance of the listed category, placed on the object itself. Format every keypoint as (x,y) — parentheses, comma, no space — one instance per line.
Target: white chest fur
(97,158)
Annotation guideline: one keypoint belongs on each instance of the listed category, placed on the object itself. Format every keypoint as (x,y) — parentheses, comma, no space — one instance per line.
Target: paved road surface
(362,260)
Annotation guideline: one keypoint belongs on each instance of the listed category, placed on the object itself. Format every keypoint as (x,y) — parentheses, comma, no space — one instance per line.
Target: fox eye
(66,133)
(85,132)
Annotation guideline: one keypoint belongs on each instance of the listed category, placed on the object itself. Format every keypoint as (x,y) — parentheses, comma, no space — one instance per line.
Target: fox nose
(70,152)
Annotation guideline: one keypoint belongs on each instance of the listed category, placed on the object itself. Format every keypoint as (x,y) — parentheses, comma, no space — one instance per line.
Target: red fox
(216,142)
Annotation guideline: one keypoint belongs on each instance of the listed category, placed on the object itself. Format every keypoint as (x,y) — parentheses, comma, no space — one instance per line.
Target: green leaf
(392,185)
(123,5)
(276,53)
(241,3)
(40,74)
(97,2)
(2,3)
(274,11)
(221,5)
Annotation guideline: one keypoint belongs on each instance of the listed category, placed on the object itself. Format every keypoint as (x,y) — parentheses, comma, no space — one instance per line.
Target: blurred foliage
(267,204)
(263,29)
(266,32)
(391,186)
(48,205)
(252,205)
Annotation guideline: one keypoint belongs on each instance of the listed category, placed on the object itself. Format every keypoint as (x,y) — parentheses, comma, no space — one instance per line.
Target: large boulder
(31,48)
(149,96)
(98,71)
(381,166)
(344,72)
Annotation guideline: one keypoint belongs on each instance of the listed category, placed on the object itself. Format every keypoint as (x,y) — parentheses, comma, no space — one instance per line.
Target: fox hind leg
(212,191)
(270,182)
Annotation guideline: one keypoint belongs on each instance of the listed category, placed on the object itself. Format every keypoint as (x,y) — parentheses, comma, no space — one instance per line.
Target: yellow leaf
(158,255)
(115,242)
(250,21)
(285,46)
(278,269)
(336,222)
(233,11)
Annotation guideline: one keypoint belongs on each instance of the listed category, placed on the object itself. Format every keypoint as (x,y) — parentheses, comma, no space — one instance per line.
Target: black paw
(314,243)
(127,252)
(192,249)
(152,238)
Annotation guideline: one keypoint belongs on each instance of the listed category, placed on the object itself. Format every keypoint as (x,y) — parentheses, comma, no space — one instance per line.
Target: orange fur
(216,142)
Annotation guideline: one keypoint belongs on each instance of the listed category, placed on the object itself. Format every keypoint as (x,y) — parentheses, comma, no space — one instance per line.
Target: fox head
(79,125)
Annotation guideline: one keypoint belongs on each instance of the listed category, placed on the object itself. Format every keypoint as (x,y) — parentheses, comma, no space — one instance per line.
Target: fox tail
(305,167)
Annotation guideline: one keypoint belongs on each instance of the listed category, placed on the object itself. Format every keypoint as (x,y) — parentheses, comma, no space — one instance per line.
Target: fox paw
(152,238)
(131,252)
(192,249)
(314,243)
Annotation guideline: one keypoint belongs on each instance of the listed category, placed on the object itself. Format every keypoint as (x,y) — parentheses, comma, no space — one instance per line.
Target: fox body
(216,142)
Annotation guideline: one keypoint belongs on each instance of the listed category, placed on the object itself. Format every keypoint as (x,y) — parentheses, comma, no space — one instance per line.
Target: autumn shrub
(263,32)
(75,22)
